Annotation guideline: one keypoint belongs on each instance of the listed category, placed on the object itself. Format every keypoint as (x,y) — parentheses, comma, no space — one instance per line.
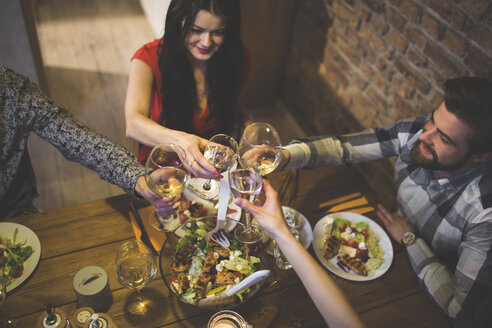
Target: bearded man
(443,177)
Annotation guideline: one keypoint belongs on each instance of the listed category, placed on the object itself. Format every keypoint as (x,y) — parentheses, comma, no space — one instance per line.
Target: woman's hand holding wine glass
(221,152)
(166,176)
(259,154)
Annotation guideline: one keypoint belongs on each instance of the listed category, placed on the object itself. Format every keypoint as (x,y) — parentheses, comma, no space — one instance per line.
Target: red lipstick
(203,51)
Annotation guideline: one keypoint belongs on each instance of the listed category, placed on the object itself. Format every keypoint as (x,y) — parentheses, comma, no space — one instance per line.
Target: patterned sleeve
(464,295)
(77,142)
(350,149)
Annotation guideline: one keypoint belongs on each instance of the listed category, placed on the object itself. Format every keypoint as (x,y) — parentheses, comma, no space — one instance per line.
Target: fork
(217,234)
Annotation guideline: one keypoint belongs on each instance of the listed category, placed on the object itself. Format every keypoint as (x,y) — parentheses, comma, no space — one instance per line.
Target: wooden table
(90,234)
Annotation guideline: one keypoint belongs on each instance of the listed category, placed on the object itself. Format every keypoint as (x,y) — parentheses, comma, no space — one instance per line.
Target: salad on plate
(13,254)
(354,244)
(204,269)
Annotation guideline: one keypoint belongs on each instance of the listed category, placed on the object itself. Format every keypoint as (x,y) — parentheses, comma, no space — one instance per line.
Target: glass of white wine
(166,176)
(246,183)
(221,152)
(260,148)
(134,267)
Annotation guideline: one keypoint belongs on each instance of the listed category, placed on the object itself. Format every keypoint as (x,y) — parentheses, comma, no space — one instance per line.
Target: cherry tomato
(353,243)
(174,279)
(343,241)
(201,212)
(365,233)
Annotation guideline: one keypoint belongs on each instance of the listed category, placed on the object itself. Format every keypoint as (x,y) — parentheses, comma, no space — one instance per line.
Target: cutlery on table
(217,234)
(228,296)
(144,238)
(351,203)
(325,206)
(361,209)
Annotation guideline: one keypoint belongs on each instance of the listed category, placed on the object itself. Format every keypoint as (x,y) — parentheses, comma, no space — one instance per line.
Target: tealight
(227,319)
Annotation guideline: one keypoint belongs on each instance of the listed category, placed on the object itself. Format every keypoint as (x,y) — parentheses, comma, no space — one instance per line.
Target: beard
(433,163)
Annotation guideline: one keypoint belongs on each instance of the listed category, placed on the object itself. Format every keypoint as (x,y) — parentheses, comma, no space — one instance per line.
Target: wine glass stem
(206,185)
(139,299)
(248,214)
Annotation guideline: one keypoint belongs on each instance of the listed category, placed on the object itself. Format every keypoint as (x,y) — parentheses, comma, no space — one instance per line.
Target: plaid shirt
(24,108)
(453,257)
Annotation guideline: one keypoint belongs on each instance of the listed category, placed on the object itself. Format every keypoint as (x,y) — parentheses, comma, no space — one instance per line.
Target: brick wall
(354,64)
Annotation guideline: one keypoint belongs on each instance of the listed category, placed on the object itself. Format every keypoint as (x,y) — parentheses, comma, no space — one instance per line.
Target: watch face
(408,239)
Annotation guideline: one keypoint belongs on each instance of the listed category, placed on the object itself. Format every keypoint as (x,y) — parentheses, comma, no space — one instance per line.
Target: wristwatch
(408,239)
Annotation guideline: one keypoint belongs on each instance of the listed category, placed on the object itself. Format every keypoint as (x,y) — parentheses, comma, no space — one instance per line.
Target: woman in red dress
(183,88)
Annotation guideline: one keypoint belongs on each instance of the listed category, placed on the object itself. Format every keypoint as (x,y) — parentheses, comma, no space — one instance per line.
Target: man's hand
(396,225)
(164,206)
(285,159)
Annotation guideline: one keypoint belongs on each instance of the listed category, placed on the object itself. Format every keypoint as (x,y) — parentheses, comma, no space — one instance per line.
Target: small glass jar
(227,319)
(280,259)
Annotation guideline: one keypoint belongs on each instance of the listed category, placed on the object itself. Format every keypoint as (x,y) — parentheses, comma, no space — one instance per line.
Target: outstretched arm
(142,129)
(328,298)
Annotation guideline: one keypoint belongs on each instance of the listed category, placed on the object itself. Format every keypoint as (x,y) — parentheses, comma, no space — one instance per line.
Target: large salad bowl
(187,272)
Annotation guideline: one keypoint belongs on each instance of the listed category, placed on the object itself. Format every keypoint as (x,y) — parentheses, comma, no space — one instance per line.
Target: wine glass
(221,152)
(166,176)
(246,183)
(134,267)
(260,148)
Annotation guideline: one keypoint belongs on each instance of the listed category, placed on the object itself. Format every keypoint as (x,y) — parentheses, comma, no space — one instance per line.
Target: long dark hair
(470,99)
(224,69)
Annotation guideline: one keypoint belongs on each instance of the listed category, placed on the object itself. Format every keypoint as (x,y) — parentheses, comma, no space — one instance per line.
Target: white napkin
(224,194)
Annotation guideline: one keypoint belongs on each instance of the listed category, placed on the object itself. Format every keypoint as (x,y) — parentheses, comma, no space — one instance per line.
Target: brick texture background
(361,63)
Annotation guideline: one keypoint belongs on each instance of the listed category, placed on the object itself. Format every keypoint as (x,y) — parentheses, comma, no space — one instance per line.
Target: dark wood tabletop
(90,234)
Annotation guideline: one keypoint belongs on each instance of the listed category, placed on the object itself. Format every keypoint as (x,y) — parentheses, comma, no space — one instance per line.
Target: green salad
(202,269)
(357,240)
(13,254)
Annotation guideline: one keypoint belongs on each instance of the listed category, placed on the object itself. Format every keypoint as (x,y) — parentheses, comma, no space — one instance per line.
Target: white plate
(191,196)
(305,231)
(7,230)
(331,264)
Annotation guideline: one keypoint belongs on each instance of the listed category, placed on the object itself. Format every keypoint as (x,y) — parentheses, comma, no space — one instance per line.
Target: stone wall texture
(363,63)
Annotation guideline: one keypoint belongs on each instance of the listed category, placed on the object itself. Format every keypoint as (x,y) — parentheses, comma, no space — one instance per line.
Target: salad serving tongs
(217,234)
(228,296)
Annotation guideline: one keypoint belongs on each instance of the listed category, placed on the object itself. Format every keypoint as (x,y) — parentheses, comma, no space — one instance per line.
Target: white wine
(265,160)
(167,182)
(221,157)
(136,271)
(247,194)
(169,188)
(245,183)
